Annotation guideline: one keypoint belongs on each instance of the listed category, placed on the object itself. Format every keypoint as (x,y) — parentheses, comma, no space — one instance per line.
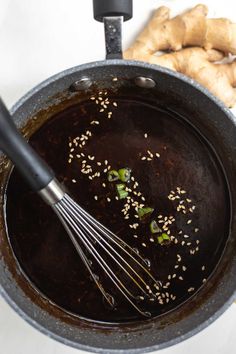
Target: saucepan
(207,115)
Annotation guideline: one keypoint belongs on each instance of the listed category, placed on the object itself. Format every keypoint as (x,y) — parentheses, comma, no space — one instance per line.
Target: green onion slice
(124,174)
(165,236)
(122,194)
(112,176)
(154,227)
(144,211)
(160,239)
(120,186)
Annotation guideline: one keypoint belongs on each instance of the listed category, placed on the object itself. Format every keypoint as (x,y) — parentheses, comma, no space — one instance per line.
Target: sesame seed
(96,197)
(191,289)
(145,135)
(74,180)
(115,104)
(189,221)
(181,278)
(94,122)
(108,199)
(114,79)
(157,154)
(144,244)
(204,280)
(203,267)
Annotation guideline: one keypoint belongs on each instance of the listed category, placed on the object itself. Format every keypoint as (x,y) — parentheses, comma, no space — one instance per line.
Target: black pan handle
(28,162)
(112,8)
(112,12)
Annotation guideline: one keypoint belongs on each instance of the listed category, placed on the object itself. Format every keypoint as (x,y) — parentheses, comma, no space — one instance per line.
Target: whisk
(127,270)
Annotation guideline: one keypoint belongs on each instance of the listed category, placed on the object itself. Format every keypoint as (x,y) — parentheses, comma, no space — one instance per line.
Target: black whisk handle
(28,162)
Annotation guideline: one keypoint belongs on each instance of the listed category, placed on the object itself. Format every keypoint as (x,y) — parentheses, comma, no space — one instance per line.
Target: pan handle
(112,8)
(112,13)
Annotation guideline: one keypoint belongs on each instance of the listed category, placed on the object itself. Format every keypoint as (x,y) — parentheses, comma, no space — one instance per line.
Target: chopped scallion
(154,227)
(122,193)
(120,187)
(160,239)
(112,176)
(165,236)
(124,174)
(144,211)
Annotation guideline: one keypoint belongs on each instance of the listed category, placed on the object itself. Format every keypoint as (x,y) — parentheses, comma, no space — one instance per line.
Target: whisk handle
(36,172)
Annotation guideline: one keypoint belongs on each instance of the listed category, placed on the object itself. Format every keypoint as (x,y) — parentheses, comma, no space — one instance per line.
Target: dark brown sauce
(43,248)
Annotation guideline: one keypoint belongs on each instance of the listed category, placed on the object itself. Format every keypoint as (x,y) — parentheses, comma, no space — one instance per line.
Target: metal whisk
(122,264)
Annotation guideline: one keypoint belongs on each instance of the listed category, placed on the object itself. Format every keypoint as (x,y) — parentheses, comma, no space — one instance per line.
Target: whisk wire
(120,286)
(88,228)
(111,236)
(93,250)
(83,256)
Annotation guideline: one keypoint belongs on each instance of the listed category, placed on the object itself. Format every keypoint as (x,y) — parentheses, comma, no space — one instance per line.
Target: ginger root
(196,63)
(191,29)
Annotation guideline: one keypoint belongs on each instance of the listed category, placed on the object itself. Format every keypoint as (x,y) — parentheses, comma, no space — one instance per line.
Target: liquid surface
(179,169)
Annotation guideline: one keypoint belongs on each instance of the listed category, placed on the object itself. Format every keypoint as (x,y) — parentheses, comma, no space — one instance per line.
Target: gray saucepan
(204,112)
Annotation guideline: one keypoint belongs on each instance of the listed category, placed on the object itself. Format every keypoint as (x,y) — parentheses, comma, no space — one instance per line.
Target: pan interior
(178,175)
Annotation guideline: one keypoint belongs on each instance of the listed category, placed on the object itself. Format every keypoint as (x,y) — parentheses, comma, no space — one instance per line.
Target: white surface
(38,39)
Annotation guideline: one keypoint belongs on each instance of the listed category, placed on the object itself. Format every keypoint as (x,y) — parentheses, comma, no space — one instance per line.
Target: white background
(39,38)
